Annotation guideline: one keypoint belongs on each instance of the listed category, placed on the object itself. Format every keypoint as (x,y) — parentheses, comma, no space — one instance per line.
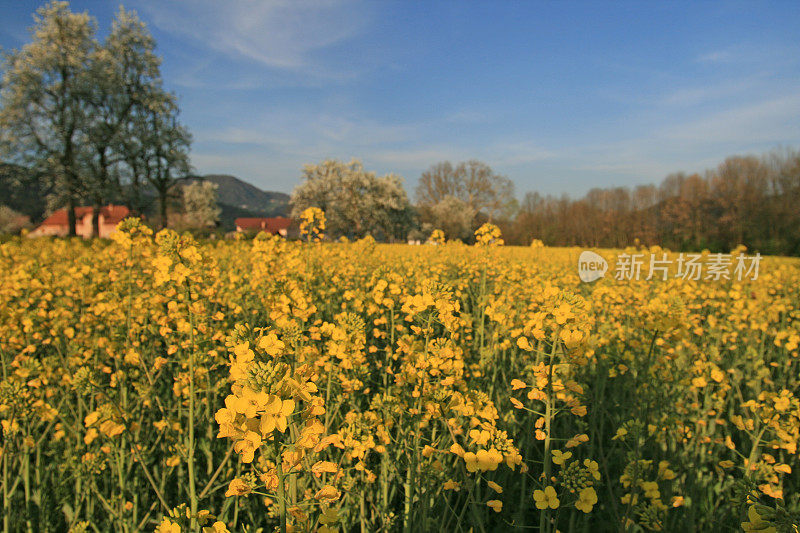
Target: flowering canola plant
(158,383)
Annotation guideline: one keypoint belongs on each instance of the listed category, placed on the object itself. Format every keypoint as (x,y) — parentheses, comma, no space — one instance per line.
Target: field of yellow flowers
(153,382)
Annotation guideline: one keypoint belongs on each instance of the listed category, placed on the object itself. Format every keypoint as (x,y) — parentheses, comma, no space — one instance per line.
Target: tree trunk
(96,218)
(71,219)
(73,187)
(135,195)
(101,190)
(162,205)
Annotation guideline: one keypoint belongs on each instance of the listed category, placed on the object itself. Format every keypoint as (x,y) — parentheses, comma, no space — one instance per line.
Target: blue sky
(559,96)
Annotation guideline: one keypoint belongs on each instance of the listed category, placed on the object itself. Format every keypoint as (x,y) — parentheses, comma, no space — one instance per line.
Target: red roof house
(274,225)
(57,223)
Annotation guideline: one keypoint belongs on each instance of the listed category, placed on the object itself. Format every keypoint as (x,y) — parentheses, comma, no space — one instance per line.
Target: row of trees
(745,200)
(357,202)
(90,120)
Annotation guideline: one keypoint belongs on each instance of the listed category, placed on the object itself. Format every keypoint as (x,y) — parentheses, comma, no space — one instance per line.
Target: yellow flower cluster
(159,382)
(488,235)
(312,224)
(437,237)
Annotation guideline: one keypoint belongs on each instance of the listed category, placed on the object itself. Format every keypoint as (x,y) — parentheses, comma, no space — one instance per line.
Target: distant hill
(24,192)
(239,194)
(237,198)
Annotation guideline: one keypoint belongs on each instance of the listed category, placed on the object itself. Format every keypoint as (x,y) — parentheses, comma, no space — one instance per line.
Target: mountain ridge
(21,190)
(238,193)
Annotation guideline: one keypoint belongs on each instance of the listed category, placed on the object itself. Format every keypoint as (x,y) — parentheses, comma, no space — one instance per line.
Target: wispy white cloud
(303,132)
(361,132)
(268,173)
(768,121)
(467,116)
(717,56)
(274,146)
(694,95)
(282,34)
(268,154)
(690,145)
(630,159)
(244,137)
(516,152)
(764,54)
(417,158)
(663,130)
(275,152)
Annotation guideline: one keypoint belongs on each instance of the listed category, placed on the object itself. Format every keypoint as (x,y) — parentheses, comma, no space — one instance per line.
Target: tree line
(744,200)
(747,200)
(356,202)
(91,121)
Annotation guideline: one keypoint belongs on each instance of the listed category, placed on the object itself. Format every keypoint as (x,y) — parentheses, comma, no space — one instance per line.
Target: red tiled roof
(275,224)
(268,224)
(250,223)
(112,214)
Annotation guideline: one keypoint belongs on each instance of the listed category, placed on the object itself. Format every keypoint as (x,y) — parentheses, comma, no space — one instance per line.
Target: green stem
(408,488)
(26,483)
(6,498)
(190,444)
(544,518)
(281,487)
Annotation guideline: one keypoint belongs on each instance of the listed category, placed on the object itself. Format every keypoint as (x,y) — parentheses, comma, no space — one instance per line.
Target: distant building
(57,223)
(273,225)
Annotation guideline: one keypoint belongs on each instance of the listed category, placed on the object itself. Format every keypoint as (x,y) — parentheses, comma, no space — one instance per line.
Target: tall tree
(471,183)
(125,79)
(43,117)
(356,202)
(200,209)
(164,153)
(451,215)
